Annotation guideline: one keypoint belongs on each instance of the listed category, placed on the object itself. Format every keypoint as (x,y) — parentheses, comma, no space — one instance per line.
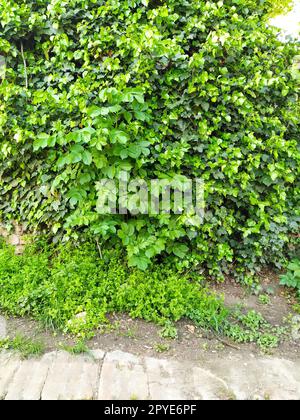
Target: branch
(226,343)
(25,66)
(99,249)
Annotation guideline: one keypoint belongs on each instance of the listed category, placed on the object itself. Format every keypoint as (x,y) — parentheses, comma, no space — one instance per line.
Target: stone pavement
(118,375)
(2,327)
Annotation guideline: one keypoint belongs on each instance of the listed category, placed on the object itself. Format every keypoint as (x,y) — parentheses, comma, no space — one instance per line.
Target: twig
(99,249)
(25,66)
(227,344)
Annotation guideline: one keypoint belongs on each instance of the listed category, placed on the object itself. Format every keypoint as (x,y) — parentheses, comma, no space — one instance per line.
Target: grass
(26,347)
(79,348)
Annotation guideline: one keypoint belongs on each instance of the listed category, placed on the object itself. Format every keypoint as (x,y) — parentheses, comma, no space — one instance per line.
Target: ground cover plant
(158,89)
(73,289)
(252,327)
(69,288)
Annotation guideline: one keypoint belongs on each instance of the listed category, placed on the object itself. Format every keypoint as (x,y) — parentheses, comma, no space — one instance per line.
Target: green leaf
(118,136)
(41,141)
(87,157)
(139,261)
(95,111)
(180,250)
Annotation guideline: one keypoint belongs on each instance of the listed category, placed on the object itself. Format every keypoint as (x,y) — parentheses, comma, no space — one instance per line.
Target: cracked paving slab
(261,378)
(8,366)
(28,380)
(123,376)
(117,375)
(72,378)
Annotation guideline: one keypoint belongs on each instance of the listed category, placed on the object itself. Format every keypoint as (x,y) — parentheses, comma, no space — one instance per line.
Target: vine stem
(99,249)
(25,66)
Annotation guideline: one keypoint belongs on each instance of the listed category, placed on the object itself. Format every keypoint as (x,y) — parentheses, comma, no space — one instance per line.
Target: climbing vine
(157,89)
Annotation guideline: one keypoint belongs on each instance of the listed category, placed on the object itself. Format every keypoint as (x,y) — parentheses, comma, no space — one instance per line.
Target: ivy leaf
(76,154)
(180,250)
(142,116)
(87,157)
(41,142)
(118,136)
(85,178)
(95,111)
(76,195)
(99,159)
(205,106)
(140,262)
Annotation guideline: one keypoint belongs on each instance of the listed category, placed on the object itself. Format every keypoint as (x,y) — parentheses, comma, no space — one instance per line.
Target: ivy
(280,7)
(200,89)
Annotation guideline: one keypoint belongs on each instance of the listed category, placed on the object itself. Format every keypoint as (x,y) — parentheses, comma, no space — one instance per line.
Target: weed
(26,347)
(130,333)
(296,308)
(264,299)
(161,348)
(169,331)
(227,395)
(267,341)
(253,328)
(79,348)
(220,347)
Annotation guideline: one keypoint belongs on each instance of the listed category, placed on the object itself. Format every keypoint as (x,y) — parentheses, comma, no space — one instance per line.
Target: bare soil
(142,338)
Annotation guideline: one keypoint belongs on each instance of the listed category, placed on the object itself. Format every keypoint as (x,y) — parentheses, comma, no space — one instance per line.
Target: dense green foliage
(292,277)
(158,89)
(281,7)
(56,284)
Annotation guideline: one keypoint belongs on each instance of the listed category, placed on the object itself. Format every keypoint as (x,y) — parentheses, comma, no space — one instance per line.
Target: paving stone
(243,381)
(71,378)
(123,377)
(8,367)
(280,379)
(5,356)
(28,381)
(120,375)
(260,378)
(97,354)
(29,378)
(3,330)
(207,386)
(169,380)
